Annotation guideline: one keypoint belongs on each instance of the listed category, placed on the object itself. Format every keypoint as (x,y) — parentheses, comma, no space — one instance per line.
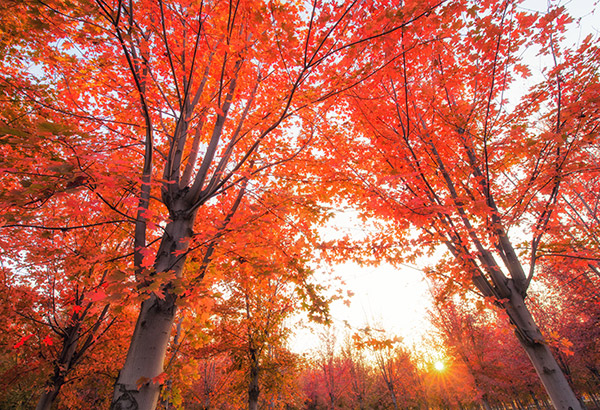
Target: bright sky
(397,299)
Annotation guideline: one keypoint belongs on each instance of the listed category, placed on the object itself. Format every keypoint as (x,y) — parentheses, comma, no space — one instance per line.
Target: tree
(395,367)
(61,296)
(55,282)
(262,278)
(326,384)
(62,244)
(359,373)
(189,97)
(444,154)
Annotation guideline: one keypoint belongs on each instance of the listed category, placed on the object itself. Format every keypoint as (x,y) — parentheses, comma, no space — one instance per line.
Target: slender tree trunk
(135,388)
(61,367)
(546,366)
(485,405)
(390,386)
(535,401)
(595,372)
(546,404)
(593,396)
(253,386)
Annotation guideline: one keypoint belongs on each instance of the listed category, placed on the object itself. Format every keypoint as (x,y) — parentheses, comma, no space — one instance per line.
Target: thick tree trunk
(539,353)
(553,379)
(145,357)
(135,388)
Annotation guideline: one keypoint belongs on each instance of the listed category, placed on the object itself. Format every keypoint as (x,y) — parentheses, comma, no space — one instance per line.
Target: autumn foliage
(169,166)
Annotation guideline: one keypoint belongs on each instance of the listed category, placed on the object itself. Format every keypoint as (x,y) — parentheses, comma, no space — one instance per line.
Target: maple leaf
(97,296)
(160,379)
(48,341)
(159,294)
(22,341)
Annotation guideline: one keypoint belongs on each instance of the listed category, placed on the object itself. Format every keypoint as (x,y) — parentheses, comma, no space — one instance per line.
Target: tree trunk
(253,386)
(390,386)
(135,388)
(48,397)
(485,405)
(595,400)
(539,353)
(146,355)
(535,401)
(61,367)
(595,372)
(593,397)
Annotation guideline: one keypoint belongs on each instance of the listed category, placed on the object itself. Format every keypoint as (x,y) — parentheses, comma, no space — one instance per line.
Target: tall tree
(444,154)
(192,95)
(52,230)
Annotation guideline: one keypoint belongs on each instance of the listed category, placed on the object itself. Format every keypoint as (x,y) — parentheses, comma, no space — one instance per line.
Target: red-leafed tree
(327,383)
(62,246)
(263,279)
(395,368)
(188,98)
(443,153)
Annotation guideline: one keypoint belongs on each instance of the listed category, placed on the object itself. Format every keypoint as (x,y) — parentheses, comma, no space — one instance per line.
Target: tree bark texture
(145,359)
(546,366)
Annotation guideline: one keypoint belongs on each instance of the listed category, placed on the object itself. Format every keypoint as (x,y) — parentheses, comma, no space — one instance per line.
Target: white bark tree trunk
(148,347)
(546,366)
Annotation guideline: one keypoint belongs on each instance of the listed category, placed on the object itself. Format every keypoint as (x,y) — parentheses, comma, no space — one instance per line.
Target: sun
(439,366)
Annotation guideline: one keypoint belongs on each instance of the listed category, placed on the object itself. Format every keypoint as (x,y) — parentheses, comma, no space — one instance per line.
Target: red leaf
(160,379)
(22,341)
(97,296)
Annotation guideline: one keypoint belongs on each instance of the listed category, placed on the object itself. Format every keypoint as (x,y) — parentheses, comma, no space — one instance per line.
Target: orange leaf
(141,381)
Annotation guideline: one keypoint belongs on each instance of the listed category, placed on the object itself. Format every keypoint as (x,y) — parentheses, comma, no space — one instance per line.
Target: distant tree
(360,374)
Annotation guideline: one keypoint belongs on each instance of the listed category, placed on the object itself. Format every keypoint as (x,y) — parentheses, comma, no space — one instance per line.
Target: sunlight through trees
(172,171)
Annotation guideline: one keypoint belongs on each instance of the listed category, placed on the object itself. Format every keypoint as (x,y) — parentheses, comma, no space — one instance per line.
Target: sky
(397,299)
